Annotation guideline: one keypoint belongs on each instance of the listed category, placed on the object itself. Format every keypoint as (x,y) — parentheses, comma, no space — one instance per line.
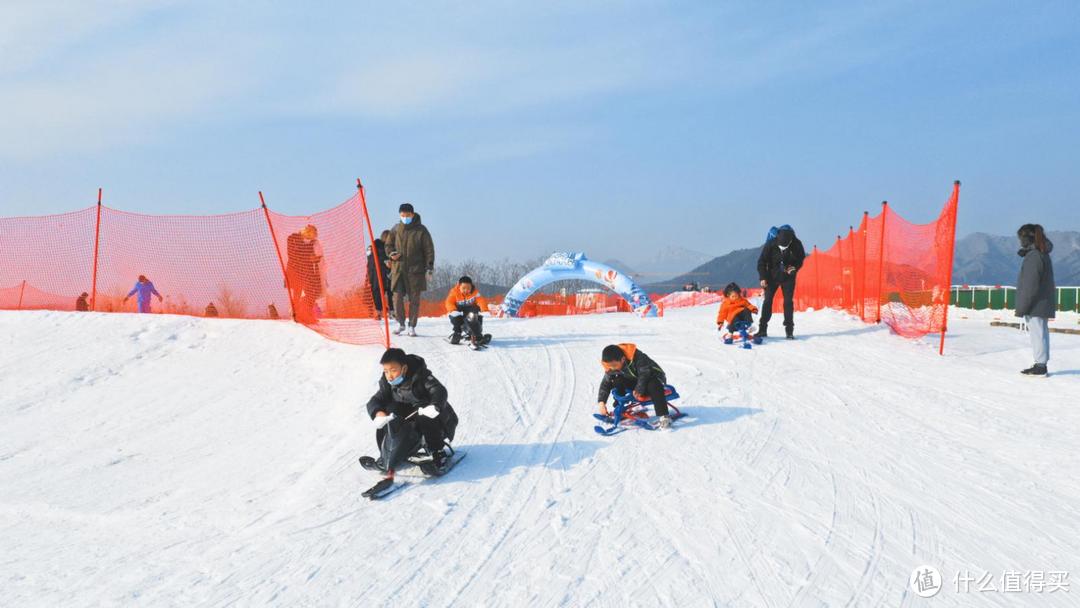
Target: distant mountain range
(665,264)
(980,259)
(986,259)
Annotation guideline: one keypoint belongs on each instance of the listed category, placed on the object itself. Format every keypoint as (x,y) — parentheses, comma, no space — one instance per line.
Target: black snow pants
(654,390)
(788,287)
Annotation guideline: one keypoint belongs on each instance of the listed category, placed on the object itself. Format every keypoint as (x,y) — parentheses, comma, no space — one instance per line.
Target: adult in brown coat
(412,260)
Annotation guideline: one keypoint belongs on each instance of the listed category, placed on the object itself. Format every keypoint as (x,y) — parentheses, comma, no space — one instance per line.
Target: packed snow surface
(160,460)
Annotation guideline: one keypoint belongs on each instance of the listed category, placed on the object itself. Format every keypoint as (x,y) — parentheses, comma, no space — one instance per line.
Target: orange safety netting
(685,299)
(311,269)
(887,270)
(547,305)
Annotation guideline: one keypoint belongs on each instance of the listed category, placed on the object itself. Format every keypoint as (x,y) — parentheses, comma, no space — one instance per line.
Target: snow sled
(744,334)
(480,344)
(629,412)
(402,447)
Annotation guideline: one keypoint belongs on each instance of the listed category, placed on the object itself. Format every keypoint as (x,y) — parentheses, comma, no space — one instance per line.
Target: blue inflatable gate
(576,267)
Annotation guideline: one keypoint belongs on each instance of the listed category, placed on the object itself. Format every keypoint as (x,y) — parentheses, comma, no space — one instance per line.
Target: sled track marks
(558,371)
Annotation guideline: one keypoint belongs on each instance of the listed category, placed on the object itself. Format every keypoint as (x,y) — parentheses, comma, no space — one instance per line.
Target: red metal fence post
(378,262)
(955,203)
(97,241)
(281,260)
(22,288)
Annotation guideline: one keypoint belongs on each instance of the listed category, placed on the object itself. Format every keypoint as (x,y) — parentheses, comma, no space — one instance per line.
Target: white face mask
(783,248)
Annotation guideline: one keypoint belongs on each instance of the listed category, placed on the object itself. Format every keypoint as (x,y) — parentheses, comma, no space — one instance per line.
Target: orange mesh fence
(888,270)
(216,266)
(51,255)
(547,305)
(683,299)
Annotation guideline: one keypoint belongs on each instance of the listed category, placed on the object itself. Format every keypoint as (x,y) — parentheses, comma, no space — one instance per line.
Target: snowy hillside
(179,461)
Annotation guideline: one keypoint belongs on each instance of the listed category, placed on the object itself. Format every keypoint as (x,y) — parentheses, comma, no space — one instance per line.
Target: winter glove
(382,421)
(429,411)
(430,275)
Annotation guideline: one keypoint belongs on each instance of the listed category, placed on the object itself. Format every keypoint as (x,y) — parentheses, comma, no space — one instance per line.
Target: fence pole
(97,242)
(281,260)
(955,203)
(881,259)
(22,288)
(378,262)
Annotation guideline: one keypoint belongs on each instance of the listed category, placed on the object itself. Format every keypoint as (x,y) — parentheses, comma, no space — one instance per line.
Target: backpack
(774,230)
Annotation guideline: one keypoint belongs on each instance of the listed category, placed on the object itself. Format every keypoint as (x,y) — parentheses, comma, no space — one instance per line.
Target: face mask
(783,247)
(397,381)
(406,220)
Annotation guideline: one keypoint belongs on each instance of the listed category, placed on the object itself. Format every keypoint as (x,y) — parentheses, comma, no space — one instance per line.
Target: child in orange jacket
(464,305)
(735,311)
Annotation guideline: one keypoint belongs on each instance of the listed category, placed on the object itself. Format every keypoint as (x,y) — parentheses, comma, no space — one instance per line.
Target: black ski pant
(744,320)
(378,297)
(654,389)
(788,287)
(469,320)
(401,438)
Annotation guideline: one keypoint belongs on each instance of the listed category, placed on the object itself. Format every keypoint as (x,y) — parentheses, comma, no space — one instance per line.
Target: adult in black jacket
(628,369)
(779,262)
(1036,294)
(378,252)
(410,404)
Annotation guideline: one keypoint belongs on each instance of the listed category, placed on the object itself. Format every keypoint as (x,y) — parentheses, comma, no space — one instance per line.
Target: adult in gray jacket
(1036,295)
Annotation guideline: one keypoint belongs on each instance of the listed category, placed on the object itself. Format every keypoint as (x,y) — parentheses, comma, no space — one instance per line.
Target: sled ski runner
(419,468)
(629,413)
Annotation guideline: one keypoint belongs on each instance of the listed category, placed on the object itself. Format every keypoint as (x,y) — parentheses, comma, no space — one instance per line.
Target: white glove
(382,421)
(455,313)
(429,411)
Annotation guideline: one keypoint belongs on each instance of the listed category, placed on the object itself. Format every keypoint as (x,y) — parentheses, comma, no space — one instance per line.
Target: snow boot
(1036,371)
(400,330)
(762,332)
(455,338)
(664,423)
(437,465)
(412,332)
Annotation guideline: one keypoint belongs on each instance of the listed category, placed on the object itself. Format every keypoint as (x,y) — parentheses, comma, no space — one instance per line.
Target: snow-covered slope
(177,461)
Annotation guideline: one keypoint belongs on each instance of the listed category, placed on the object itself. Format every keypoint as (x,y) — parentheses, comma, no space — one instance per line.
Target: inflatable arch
(576,267)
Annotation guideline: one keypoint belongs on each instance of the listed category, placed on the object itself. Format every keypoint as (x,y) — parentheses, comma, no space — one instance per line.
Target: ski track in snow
(157,460)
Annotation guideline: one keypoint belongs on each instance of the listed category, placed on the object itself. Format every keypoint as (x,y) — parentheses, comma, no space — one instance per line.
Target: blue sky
(515,128)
